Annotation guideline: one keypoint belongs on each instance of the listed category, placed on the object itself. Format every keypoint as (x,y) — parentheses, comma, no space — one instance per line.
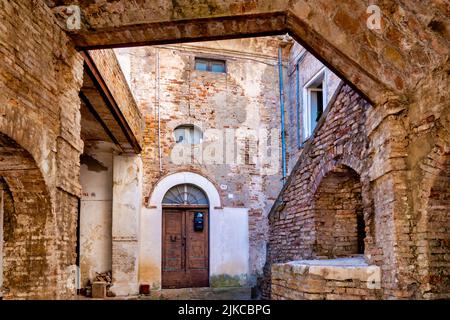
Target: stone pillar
(127,191)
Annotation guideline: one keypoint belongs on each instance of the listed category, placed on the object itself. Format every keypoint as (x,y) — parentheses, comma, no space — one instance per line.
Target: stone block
(99,290)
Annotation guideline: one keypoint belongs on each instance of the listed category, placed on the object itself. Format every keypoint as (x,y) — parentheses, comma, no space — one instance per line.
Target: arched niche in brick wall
(26,216)
(338,214)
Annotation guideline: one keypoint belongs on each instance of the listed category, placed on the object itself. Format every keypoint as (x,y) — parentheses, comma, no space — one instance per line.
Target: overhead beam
(98,118)
(195,30)
(100,84)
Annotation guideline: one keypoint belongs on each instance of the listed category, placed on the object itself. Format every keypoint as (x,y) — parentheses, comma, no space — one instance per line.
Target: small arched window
(185,194)
(188,134)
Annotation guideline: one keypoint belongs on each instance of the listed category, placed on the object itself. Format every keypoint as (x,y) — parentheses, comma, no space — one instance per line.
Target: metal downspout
(283,133)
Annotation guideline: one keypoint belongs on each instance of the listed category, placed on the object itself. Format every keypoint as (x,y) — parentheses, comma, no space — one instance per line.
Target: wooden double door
(185,252)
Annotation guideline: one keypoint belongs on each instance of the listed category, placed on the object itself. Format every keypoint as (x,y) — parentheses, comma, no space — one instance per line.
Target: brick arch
(438,230)
(28,255)
(32,135)
(433,225)
(338,212)
(330,162)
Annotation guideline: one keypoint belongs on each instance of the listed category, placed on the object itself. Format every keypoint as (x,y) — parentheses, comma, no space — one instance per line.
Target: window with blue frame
(211,65)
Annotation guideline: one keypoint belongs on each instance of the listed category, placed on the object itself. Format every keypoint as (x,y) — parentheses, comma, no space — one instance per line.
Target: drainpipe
(283,133)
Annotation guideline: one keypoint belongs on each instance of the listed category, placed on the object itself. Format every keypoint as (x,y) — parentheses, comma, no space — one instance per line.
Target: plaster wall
(96,179)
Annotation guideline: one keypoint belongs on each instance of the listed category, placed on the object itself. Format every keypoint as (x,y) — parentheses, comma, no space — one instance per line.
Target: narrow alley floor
(232,293)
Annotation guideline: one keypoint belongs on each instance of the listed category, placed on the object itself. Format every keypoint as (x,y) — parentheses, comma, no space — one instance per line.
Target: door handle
(173,238)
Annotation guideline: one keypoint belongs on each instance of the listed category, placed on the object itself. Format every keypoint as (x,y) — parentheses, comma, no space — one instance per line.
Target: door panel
(197,244)
(197,257)
(185,260)
(173,248)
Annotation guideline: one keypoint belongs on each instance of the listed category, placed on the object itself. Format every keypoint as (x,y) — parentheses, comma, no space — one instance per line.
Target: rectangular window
(211,65)
(316,105)
(315,102)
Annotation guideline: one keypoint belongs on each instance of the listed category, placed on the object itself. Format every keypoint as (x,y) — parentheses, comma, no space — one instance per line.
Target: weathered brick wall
(27,209)
(438,230)
(40,77)
(337,206)
(245,98)
(403,68)
(430,229)
(338,144)
(402,158)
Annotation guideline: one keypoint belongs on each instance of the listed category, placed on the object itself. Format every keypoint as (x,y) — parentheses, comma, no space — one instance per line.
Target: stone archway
(437,232)
(27,214)
(338,213)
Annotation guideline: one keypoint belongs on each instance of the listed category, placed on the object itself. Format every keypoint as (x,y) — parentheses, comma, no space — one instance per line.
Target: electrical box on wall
(198,221)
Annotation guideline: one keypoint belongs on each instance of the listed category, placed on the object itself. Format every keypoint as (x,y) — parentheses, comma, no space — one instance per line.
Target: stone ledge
(333,269)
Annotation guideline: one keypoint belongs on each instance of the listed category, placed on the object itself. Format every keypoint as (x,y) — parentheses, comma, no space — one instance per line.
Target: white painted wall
(96,214)
(229,242)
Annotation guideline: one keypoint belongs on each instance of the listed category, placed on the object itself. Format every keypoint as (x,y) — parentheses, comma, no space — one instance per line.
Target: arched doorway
(26,215)
(185,237)
(228,234)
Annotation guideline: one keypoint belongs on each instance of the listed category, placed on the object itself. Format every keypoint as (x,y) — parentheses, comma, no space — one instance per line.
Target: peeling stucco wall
(127,199)
(96,179)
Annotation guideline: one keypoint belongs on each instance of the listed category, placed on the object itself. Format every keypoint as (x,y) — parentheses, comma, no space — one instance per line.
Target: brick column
(388,175)
(127,192)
